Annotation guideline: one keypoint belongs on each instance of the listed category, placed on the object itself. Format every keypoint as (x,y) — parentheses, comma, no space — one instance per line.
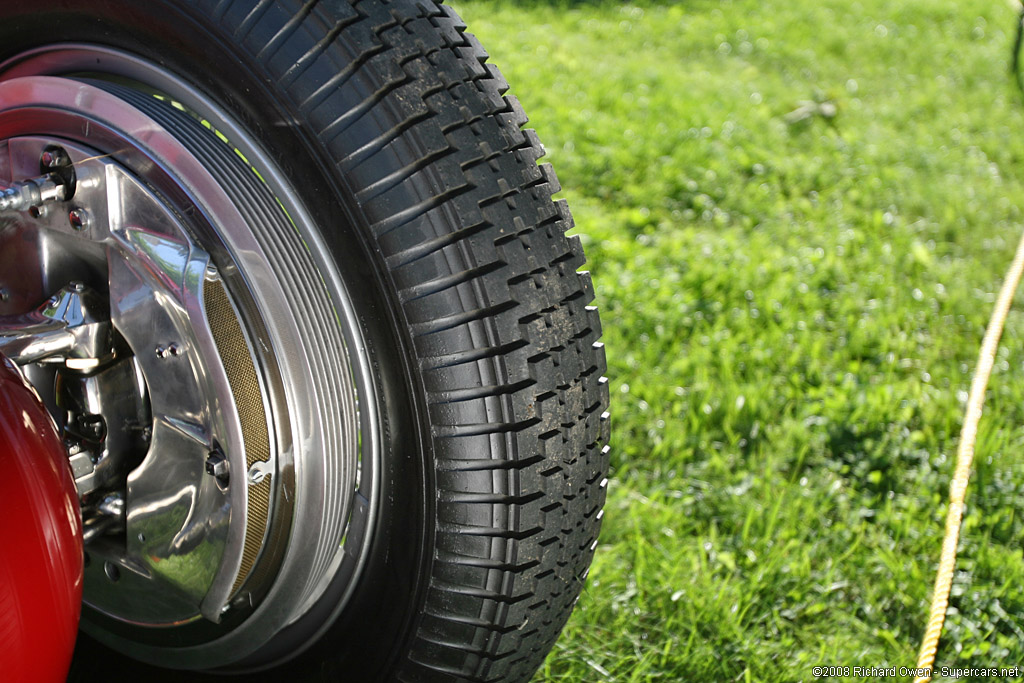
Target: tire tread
(419,128)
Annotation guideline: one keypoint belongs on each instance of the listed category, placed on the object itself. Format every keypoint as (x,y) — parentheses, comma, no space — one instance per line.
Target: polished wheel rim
(239,350)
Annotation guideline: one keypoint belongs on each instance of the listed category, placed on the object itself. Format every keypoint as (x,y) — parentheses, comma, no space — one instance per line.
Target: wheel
(337,409)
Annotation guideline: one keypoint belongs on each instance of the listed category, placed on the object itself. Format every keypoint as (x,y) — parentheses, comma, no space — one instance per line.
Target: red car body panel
(40,539)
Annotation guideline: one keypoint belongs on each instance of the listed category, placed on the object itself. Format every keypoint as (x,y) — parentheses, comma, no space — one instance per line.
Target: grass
(797,216)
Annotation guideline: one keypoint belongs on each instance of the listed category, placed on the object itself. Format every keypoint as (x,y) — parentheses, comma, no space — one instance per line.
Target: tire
(398,140)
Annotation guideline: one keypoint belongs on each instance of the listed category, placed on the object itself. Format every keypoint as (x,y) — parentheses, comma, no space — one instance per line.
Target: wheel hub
(142,417)
(217,456)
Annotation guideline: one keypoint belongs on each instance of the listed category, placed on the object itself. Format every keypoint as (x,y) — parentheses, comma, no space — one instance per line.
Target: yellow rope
(964,456)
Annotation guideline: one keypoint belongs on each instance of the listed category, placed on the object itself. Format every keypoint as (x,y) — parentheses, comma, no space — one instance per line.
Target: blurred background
(797,215)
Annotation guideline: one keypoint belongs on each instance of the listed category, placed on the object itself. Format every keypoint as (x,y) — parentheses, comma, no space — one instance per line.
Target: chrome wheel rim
(319,406)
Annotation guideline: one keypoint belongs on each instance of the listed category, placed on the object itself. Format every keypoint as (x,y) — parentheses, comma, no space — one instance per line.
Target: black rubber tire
(405,150)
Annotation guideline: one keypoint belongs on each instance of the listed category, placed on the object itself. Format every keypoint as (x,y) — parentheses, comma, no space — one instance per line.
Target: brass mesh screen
(245,389)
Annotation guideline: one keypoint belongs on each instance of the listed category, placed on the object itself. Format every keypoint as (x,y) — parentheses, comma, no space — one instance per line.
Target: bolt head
(79,218)
(258,472)
(217,467)
(50,159)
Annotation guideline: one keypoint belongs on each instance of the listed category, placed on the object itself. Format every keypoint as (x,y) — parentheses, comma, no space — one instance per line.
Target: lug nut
(79,218)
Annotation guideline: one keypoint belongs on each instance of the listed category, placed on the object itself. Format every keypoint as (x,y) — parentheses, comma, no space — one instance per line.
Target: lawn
(797,215)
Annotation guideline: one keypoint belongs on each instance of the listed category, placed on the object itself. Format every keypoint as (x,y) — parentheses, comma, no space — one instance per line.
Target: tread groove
(271,48)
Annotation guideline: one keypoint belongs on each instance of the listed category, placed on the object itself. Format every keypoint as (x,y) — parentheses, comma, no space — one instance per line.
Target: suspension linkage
(73,327)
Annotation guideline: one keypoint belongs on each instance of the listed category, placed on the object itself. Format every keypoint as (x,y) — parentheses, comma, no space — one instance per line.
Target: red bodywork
(40,539)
